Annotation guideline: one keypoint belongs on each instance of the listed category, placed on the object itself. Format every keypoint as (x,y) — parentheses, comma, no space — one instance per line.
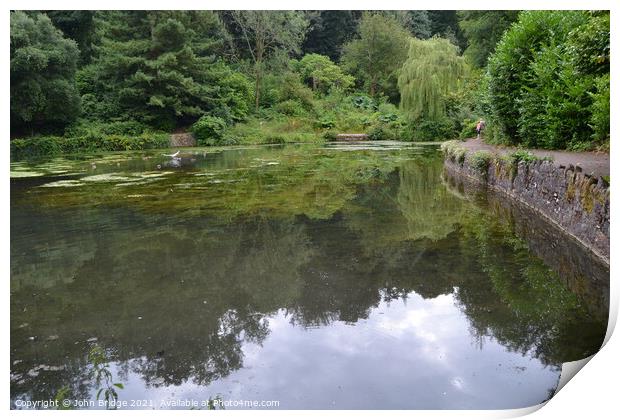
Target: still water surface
(321,277)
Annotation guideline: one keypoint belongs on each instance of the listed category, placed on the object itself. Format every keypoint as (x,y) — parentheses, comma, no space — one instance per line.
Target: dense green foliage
(43,64)
(323,74)
(547,81)
(268,32)
(378,53)
(600,109)
(433,70)
(56,145)
(158,68)
(78,25)
(445,24)
(208,128)
(236,77)
(483,30)
(329,30)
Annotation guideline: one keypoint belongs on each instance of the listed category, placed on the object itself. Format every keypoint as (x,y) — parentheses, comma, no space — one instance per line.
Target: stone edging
(576,202)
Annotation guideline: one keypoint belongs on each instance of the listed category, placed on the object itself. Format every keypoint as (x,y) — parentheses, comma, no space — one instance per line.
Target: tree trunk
(260,49)
(257,87)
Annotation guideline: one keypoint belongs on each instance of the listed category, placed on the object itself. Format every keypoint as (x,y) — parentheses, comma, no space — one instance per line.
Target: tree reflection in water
(174,299)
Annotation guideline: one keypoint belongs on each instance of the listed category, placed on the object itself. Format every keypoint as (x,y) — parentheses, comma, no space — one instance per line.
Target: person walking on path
(479,127)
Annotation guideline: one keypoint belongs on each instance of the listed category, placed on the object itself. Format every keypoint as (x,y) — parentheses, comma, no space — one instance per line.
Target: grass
(277,130)
(453,151)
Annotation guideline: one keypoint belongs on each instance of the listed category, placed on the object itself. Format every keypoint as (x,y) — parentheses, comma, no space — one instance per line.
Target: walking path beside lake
(595,163)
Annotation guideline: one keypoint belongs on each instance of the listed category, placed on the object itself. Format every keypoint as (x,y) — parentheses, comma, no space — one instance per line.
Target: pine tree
(159,67)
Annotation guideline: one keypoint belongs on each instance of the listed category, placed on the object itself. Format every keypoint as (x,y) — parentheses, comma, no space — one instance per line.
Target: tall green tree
(433,69)
(329,30)
(323,74)
(420,24)
(378,52)
(79,25)
(483,29)
(444,24)
(417,22)
(266,32)
(43,64)
(160,67)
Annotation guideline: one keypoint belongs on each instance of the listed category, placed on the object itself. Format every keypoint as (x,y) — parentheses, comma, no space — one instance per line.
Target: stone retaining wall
(182,140)
(576,202)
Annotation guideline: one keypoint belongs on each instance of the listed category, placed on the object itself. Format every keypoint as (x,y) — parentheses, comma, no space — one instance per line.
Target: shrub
(386,131)
(555,108)
(132,128)
(35,146)
(208,129)
(480,161)
(290,107)
(95,128)
(274,139)
(228,141)
(363,102)
(270,90)
(588,45)
(377,133)
(237,95)
(543,81)
(430,130)
(521,156)
(600,110)
(353,122)
(509,68)
(388,113)
(326,121)
(513,159)
(468,129)
(329,135)
(225,113)
(50,145)
(388,118)
(407,132)
(303,138)
(453,151)
(290,87)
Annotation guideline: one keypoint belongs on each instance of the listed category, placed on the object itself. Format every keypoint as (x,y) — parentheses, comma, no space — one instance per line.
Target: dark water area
(321,277)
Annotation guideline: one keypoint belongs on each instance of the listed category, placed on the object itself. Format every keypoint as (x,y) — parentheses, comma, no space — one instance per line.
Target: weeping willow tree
(432,70)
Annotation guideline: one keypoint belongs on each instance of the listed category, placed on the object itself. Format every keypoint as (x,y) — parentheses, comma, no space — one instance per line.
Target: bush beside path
(594,163)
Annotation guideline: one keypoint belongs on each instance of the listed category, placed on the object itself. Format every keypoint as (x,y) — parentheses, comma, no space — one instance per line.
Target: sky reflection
(410,353)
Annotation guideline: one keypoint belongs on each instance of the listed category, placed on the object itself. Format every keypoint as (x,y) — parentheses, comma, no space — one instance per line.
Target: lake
(344,276)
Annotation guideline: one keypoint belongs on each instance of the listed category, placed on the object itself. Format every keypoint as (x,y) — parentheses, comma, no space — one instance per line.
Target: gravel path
(595,163)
